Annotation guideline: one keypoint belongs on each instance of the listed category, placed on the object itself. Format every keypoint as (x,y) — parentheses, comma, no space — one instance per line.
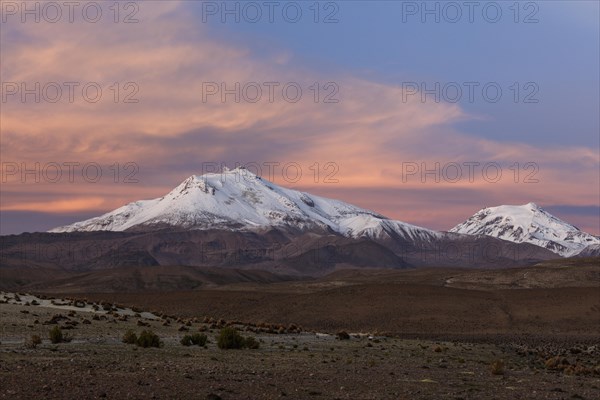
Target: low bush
(199,339)
(229,338)
(497,367)
(251,343)
(148,339)
(557,363)
(130,337)
(56,335)
(186,340)
(33,341)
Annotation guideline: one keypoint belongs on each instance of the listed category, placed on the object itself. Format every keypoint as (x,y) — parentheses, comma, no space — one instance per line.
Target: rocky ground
(291,363)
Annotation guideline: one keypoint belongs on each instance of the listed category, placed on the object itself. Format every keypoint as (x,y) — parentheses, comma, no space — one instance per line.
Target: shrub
(199,339)
(130,337)
(33,341)
(229,338)
(36,339)
(498,367)
(557,363)
(56,335)
(148,339)
(186,340)
(251,343)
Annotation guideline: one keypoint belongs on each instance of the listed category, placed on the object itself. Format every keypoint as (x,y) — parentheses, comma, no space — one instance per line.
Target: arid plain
(528,333)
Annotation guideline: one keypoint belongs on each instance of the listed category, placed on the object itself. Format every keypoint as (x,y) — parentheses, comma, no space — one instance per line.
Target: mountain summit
(238,199)
(528,223)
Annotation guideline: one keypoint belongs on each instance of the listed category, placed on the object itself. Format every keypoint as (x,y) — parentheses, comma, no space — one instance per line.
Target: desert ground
(521,333)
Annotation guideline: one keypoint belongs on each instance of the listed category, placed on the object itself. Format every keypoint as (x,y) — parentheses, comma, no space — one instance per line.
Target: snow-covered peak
(238,199)
(528,223)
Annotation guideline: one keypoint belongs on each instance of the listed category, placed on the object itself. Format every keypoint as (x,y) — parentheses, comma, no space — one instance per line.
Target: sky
(425,112)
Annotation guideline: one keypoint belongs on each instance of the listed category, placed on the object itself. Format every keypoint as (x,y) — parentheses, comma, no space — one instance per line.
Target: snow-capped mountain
(239,200)
(528,223)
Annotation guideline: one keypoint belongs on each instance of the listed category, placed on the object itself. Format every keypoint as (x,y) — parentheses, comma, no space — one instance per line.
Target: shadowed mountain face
(273,255)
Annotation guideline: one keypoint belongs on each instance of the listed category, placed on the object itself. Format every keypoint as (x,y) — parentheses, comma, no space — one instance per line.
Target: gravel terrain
(293,364)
